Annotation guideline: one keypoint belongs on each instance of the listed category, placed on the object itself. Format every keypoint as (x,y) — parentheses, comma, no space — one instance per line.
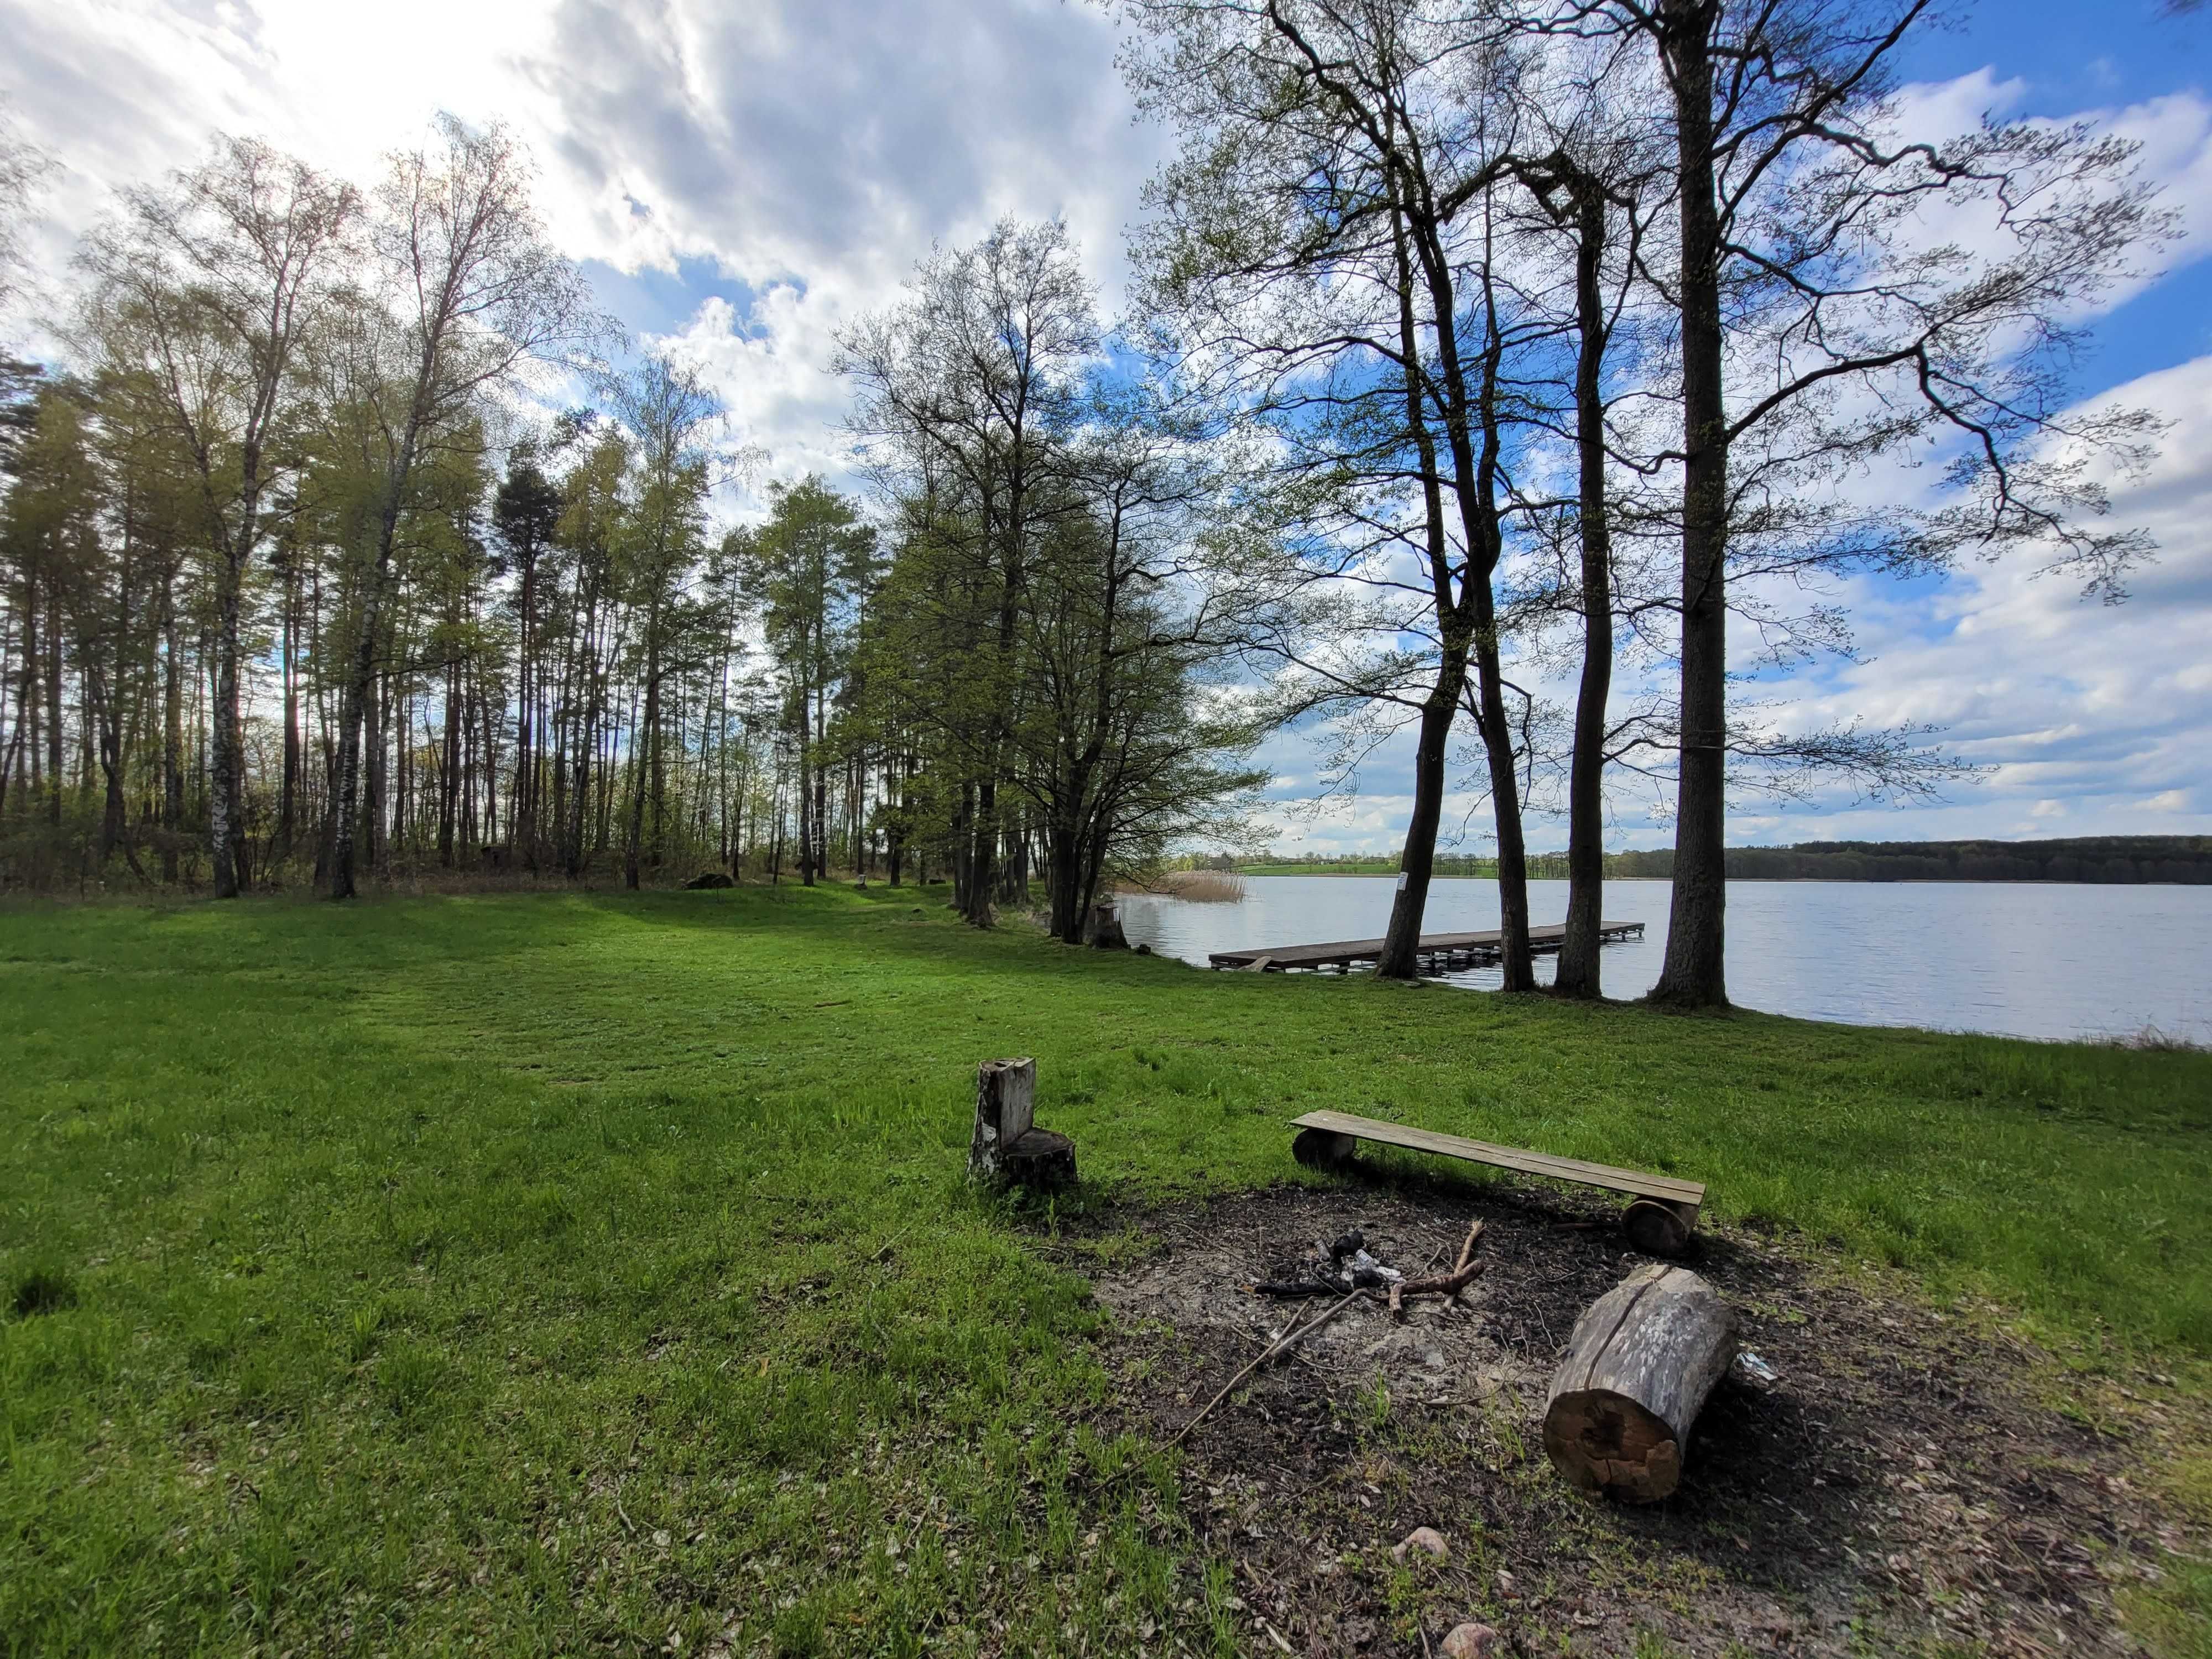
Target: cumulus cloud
(808,154)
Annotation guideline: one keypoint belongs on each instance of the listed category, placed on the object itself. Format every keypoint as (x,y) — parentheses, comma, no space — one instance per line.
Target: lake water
(2027,959)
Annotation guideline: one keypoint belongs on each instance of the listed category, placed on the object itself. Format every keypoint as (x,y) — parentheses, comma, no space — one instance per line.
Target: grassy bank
(547,1271)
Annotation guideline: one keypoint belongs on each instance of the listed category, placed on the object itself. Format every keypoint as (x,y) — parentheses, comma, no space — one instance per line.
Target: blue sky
(741,181)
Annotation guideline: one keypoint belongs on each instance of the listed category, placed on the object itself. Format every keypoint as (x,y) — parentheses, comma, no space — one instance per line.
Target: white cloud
(811,153)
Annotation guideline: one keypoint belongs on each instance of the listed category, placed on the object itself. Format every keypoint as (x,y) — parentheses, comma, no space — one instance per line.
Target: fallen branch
(1289,1339)
(1452,1283)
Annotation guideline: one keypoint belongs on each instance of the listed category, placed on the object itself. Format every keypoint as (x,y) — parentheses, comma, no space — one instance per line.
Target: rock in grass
(1470,1642)
(1426,1539)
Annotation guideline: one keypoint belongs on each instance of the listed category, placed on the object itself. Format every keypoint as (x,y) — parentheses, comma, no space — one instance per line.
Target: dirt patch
(1899,1488)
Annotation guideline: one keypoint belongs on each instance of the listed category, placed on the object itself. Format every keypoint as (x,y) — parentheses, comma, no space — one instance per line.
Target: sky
(739,181)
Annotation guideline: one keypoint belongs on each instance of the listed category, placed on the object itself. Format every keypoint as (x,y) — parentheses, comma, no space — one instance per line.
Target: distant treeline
(2186,859)
(2084,858)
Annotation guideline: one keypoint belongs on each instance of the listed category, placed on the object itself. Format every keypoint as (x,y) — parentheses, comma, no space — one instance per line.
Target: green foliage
(547,1272)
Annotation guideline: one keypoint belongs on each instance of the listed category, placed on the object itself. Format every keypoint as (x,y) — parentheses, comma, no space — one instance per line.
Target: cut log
(1005,1107)
(1637,1369)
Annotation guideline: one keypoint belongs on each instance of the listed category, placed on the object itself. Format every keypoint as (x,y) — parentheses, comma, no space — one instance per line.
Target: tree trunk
(288,788)
(55,731)
(1579,972)
(1643,1359)
(1401,939)
(449,779)
(646,731)
(356,713)
(1694,973)
(522,810)
(173,728)
(225,763)
(1514,954)
(1417,863)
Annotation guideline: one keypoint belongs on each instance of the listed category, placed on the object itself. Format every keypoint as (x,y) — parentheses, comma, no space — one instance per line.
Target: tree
(525,515)
(972,380)
(21,167)
(204,292)
(812,563)
(469,293)
(1327,239)
(668,411)
(1809,262)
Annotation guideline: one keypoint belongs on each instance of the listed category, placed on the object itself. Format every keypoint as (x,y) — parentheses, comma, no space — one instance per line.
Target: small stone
(1505,1584)
(1469,1641)
(1427,1539)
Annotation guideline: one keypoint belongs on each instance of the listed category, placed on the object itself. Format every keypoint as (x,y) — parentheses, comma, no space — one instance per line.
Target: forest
(2185,858)
(1486,376)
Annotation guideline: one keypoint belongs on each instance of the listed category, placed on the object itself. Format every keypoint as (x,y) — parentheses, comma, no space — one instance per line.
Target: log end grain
(1604,1442)
(1637,1370)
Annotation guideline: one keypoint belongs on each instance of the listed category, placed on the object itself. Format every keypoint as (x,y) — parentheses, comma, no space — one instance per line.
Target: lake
(2022,958)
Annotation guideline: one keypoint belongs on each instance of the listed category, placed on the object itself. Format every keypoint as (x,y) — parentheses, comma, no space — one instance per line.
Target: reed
(1204,886)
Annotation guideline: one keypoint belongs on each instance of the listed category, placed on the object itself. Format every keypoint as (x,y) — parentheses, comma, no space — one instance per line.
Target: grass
(540,1272)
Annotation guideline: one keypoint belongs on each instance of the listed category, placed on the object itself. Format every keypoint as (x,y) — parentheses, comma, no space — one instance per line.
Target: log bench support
(1659,1220)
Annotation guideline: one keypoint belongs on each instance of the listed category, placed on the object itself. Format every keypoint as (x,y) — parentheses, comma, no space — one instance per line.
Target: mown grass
(541,1271)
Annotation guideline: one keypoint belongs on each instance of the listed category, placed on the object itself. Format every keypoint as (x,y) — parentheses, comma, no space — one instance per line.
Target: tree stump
(1042,1161)
(1642,1360)
(1106,928)
(1006,1148)
(1005,1107)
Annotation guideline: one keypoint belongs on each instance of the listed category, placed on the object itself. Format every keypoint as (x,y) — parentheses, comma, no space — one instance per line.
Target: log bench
(1659,1220)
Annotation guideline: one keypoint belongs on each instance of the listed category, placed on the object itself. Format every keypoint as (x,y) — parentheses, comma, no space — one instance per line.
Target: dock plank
(1690,1195)
(1280,958)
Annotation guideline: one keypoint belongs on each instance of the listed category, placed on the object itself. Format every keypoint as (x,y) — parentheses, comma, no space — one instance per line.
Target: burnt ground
(1914,1481)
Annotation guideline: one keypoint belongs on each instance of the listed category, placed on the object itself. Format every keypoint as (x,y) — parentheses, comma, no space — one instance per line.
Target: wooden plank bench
(1659,1220)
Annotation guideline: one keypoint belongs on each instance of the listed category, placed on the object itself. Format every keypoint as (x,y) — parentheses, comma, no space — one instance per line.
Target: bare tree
(1325,249)
(1826,318)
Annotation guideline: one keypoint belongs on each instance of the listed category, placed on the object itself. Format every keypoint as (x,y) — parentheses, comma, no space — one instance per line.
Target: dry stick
(1288,1338)
(1467,1250)
(1452,1283)
(1398,1289)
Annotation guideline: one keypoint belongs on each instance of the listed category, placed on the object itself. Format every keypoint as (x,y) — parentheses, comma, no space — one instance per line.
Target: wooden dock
(1438,952)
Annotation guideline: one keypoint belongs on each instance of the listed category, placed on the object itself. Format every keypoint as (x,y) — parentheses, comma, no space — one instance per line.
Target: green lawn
(541,1272)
